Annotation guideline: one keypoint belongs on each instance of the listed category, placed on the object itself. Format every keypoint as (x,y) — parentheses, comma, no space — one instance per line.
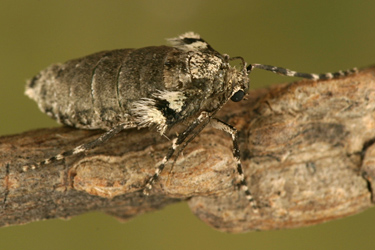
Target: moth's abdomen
(96,91)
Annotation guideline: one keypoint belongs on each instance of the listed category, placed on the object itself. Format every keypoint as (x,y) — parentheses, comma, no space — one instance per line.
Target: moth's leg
(79,149)
(204,116)
(288,72)
(183,146)
(237,156)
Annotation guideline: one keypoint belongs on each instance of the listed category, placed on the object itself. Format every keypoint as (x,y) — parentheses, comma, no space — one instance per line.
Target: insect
(156,86)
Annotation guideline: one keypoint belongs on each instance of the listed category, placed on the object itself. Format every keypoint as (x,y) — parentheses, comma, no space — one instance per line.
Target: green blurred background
(310,36)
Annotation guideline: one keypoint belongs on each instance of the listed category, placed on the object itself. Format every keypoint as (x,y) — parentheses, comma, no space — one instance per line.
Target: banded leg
(176,143)
(79,149)
(196,132)
(236,154)
(288,72)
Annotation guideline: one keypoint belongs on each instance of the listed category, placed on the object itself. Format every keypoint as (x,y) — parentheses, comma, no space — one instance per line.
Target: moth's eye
(238,96)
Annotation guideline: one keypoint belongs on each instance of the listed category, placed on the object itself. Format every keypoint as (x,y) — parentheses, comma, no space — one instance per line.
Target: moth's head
(241,83)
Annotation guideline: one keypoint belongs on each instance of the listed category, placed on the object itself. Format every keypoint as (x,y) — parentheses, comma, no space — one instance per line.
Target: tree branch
(307,149)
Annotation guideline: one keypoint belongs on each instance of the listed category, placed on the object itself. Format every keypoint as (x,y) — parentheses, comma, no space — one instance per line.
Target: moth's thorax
(193,70)
(200,76)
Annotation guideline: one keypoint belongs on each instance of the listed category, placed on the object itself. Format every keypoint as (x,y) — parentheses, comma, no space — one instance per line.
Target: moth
(158,86)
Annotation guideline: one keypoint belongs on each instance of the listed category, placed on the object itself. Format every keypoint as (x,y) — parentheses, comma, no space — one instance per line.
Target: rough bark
(307,149)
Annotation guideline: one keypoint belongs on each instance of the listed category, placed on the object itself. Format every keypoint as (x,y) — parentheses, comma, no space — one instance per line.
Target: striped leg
(288,72)
(176,143)
(79,149)
(236,154)
(183,146)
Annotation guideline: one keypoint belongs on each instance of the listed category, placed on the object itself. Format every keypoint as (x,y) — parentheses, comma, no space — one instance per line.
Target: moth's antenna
(288,72)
